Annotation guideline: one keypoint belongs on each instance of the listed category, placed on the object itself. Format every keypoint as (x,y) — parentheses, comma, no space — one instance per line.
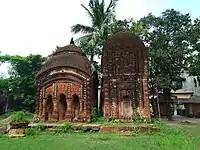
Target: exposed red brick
(124,68)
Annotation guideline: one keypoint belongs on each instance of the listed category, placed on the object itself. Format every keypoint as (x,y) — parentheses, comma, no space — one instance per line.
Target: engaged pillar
(68,114)
(55,109)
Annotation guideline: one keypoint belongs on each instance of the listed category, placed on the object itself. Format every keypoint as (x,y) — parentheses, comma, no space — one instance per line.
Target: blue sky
(184,6)
(38,26)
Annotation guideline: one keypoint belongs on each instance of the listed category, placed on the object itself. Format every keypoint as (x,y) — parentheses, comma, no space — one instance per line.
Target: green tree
(21,82)
(194,68)
(168,50)
(101,17)
(127,25)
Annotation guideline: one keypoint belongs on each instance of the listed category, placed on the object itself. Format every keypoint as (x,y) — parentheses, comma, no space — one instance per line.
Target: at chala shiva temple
(67,88)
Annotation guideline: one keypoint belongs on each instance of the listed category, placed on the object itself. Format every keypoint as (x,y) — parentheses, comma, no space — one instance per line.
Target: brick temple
(125,85)
(65,87)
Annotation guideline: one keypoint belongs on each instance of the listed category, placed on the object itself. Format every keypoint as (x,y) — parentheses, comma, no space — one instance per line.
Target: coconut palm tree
(101,16)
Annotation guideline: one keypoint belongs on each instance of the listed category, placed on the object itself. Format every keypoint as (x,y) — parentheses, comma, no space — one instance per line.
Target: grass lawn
(167,139)
(182,137)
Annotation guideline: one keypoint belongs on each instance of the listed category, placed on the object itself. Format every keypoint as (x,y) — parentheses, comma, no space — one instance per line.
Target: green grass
(192,129)
(4,122)
(167,139)
(6,115)
(101,120)
(181,137)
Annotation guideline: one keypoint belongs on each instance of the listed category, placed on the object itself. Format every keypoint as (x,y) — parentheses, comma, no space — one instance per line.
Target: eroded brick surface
(125,71)
(66,87)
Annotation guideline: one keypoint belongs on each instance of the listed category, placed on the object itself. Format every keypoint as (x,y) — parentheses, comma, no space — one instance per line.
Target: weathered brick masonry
(64,86)
(125,87)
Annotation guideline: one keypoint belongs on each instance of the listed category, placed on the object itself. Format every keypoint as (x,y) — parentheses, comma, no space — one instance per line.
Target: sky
(38,26)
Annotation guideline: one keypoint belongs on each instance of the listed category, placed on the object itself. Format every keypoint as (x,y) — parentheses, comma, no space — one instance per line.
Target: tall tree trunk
(154,103)
(167,99)
(154,107)
(95,84)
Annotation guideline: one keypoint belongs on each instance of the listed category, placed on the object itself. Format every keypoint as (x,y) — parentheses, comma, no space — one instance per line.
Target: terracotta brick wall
(124,66)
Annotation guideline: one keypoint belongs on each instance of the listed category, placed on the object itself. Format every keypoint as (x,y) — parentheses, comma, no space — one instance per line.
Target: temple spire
(72,41)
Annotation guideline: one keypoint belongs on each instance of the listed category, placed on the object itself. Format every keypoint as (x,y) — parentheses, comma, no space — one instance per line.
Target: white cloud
(38,26)
(131,9)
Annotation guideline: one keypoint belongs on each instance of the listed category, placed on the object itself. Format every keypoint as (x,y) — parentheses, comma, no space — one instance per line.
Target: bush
(137,117)
(95,115)
(30,131)
(67,126)
(19,117)
(64,129)
(41,127)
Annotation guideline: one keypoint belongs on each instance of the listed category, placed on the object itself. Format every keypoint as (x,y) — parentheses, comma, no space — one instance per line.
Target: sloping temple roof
(67,56)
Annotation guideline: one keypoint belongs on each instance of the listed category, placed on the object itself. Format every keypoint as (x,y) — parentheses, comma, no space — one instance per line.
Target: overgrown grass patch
(5,119)
(153,122)
(167,139)
(28,115)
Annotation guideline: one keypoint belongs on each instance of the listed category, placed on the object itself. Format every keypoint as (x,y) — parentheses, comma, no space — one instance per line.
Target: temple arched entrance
(75,107)
(62,106)
(127,108)
(49,107)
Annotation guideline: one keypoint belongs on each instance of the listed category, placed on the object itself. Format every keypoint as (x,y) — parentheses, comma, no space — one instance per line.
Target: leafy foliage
(127,25)
(168,46)
(169,50)
(41,127)
(194,68)
(19,117)
(4,84)
(64,129)
(21,85)
(95,115)
(30,132)
(101,17)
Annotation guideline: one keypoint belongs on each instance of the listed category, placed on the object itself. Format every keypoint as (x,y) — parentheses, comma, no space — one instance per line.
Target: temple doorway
(62,106)
(49,107)
(127,108)
(75,107)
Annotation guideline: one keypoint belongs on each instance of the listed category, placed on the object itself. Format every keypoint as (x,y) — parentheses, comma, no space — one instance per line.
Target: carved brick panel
(124,66)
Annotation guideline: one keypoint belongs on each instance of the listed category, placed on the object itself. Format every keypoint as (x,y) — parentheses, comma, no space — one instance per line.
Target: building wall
(125,72)
(189,85)
(69,84)
(190,92)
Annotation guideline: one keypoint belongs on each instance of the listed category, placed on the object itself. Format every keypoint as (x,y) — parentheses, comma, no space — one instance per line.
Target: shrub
(19,117)
(58,130)
(30,131)
(136,131)
(67,127)
(95,115)
(137,117)
(64,129)
(100,119)
(41,127)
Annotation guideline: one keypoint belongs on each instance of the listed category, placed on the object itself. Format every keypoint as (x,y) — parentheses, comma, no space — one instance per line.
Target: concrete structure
(188,98)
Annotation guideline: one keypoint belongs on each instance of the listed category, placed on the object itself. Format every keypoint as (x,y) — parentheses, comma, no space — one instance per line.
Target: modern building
(187,100)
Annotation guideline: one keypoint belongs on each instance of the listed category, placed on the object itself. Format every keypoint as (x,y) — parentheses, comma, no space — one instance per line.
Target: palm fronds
(81,28)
